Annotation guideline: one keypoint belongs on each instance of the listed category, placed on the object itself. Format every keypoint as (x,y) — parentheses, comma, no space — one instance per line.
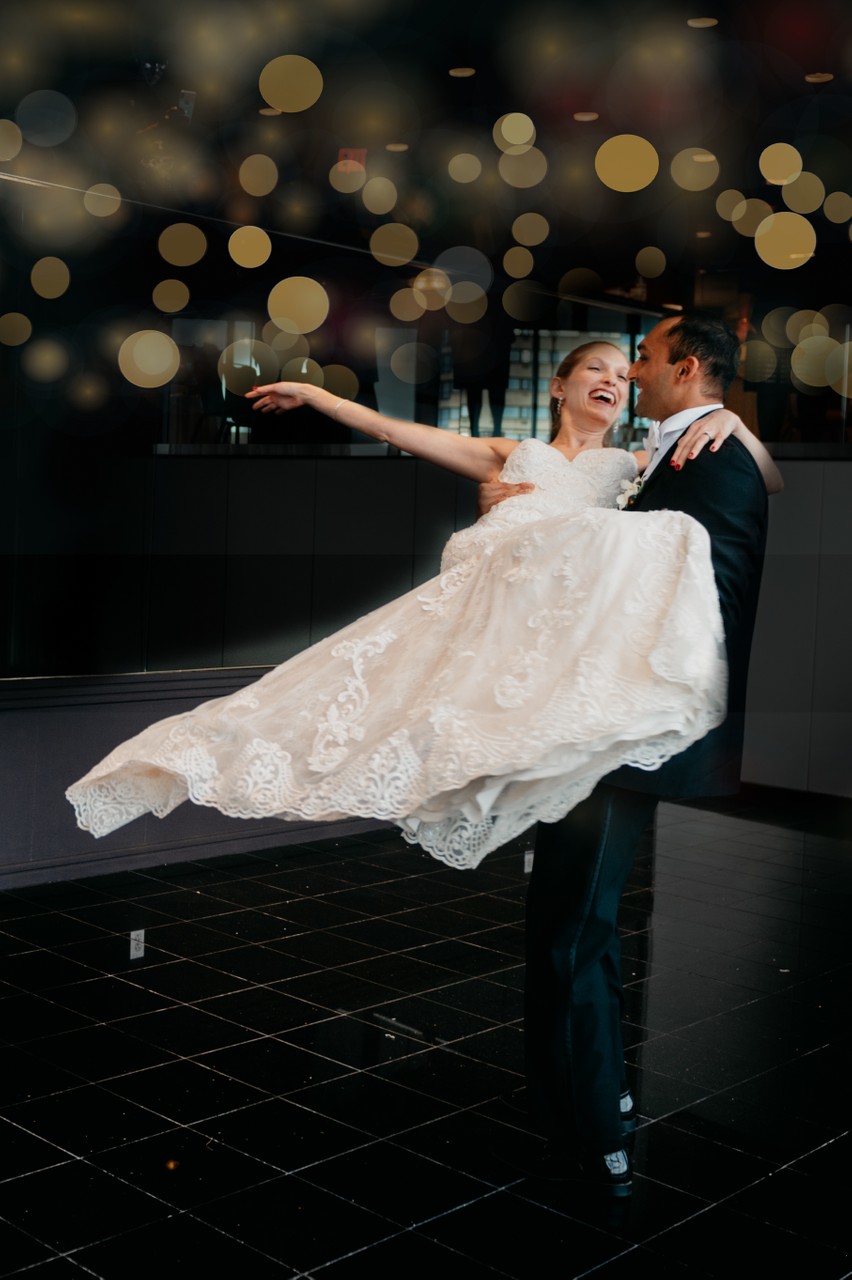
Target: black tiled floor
(311,1068)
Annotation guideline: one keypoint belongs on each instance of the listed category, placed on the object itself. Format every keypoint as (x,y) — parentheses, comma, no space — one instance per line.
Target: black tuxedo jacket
(726,493)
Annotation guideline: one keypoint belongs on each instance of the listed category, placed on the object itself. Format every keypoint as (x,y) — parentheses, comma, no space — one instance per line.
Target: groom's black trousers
(573,993)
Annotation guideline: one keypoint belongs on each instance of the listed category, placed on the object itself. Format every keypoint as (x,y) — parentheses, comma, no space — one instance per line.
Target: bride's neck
(572,439)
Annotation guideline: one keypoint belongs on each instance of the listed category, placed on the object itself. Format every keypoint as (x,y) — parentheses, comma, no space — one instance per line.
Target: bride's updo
(566,368)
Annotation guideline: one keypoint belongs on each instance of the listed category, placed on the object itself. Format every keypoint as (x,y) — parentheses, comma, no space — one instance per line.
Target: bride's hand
(708,431)
(278,397)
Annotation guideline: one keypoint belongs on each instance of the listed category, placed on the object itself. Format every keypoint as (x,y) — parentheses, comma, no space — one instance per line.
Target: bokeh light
(102,200)
(170,296)
(394,244)
(54,216)
(88,391)
(302,369)
(804,323)
(347,176)
(808,360)
(627,162)
(774,326)
(11,140)
(405,306)
(523,169)
(258,175)
(46,118)
(838,369)
(523,300)
(650,262)
(249,246)
(464,262)
(247,363)
(45,360)
(727,203)
(414,362)
(804,194)
(785,240)
(182,244)
(518,262)
(287,346)
(432,288)
(290,83)
(780,163)
(580,282)
(759,360)
(749,215)
(530,228)
(298,304)
(50,277)
(464,167)
(340,380)
(838,206)
(468,302)
(514,131)
(379,195)
(838,317)
(695,169)
(15,328)
(149,358)
(299,206)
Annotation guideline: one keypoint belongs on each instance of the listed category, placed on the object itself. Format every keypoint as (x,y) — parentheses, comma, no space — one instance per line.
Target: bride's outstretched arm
(471,456)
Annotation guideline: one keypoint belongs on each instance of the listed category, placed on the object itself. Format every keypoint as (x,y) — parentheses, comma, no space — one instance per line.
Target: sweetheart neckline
(583,453)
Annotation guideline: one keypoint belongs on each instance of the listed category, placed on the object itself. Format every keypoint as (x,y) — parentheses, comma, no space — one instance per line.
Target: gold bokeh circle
(249,246)
(627,162)
(298,304)
(182,244)
(290,83)
(785,241)
(149,358)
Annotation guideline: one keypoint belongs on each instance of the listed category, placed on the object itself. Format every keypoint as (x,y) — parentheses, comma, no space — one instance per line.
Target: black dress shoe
(609,1175)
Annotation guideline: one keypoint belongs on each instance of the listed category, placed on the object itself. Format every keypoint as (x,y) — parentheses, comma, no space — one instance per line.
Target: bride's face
(595,391)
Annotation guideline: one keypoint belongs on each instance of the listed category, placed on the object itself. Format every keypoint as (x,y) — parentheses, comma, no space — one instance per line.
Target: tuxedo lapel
(653,478)
(661,466)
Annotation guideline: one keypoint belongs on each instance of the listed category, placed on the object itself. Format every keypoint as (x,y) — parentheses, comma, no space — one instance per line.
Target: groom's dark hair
(712,342)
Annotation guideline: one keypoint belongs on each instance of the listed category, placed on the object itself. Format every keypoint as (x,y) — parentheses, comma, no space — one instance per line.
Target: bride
(558,642)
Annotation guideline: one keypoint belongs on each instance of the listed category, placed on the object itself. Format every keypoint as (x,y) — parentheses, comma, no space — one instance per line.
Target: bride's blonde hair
(566,368)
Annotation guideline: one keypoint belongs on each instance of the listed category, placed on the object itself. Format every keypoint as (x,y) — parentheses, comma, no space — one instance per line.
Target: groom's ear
(688,369)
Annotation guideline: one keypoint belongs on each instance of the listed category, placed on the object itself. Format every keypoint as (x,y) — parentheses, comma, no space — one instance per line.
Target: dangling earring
(560,400)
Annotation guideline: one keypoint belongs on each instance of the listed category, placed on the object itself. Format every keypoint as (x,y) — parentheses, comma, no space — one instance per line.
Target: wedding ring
(708,435)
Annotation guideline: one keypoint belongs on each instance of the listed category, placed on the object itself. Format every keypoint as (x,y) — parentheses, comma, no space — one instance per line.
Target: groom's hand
(492,492)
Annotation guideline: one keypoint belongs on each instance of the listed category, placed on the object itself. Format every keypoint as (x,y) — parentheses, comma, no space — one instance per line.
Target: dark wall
(176,562)
(215,569)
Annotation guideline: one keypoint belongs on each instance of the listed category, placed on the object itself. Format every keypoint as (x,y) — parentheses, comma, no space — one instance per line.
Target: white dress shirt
(662,435)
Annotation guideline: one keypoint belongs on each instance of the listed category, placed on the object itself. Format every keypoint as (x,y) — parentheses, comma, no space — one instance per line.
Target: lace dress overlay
(561,639)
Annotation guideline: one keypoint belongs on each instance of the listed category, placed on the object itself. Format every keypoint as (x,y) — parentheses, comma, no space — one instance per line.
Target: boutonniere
(630,490)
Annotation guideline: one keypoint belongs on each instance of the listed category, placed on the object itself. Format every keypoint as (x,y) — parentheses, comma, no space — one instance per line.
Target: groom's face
(655,377)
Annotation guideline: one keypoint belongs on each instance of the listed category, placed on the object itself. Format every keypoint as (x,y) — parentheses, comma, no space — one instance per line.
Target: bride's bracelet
(335,409)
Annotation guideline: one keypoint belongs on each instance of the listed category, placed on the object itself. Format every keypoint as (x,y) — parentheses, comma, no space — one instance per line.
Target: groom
(576,1086)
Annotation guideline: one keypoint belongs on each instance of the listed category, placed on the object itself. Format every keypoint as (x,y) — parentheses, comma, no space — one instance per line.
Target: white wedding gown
(561,639)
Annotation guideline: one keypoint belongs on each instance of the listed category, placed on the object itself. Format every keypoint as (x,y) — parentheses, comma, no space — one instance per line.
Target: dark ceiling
(731,89)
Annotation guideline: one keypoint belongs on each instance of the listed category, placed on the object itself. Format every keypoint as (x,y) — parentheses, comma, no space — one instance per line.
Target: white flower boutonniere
(630,490)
